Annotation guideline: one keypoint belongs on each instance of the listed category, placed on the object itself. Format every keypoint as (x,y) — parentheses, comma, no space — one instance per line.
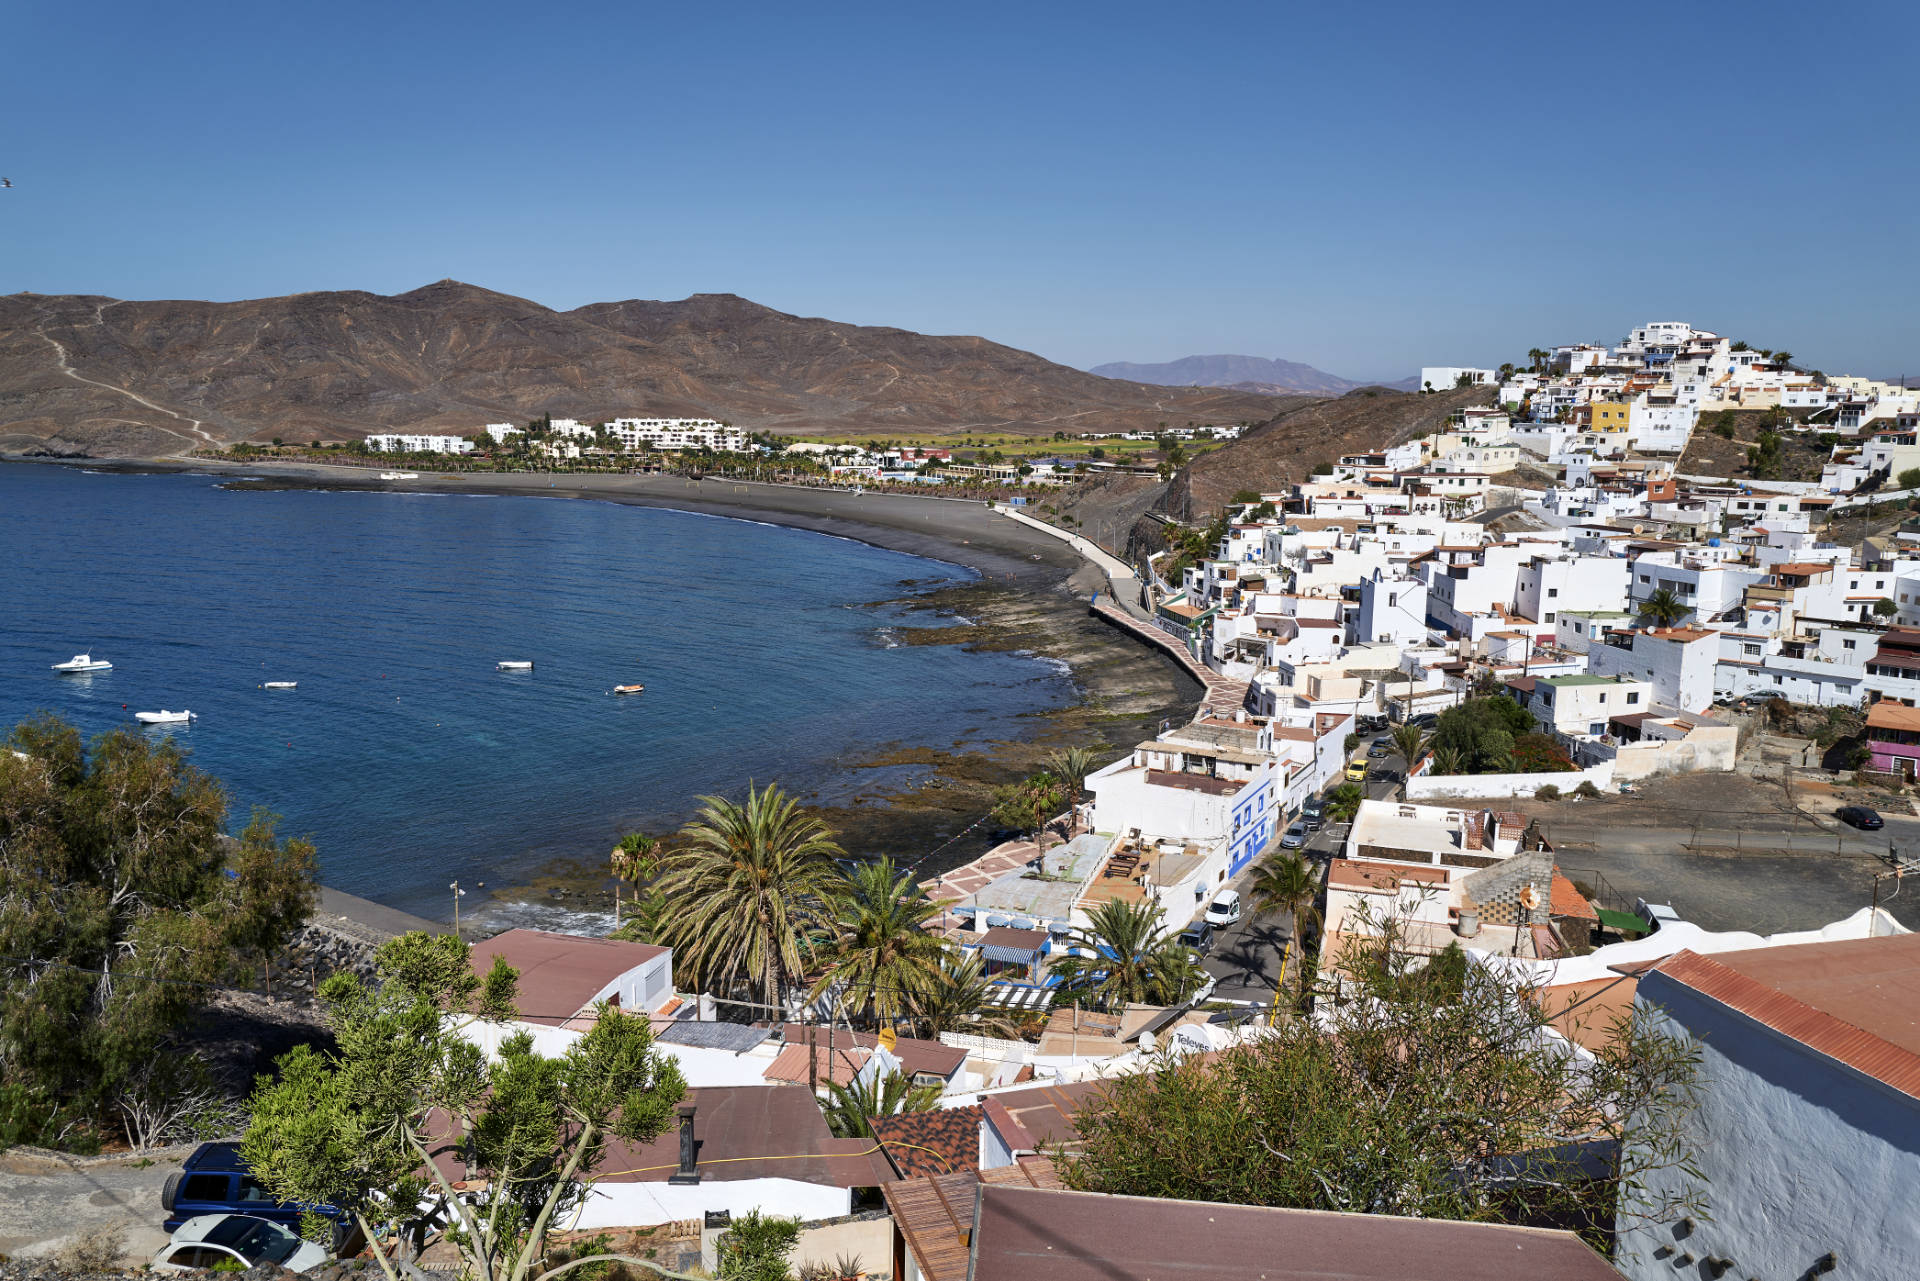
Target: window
(1552,592)
(1846,644)
(1778,681)
(204,1187)
(1633,696)
(1752,651)
(1645,579)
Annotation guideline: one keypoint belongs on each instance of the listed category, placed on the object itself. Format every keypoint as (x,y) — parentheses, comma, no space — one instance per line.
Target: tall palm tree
(958,999)
(1446,760)
(1285,882)
(1409,741)
(754,884)
(1135,958)
(1663,608)
(881,952)
(1071,766)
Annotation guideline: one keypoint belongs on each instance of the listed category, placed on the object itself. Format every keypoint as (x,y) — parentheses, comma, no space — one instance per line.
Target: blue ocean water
(406,757)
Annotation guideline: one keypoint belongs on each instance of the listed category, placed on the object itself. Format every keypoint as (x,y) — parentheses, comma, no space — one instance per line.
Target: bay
(403,753)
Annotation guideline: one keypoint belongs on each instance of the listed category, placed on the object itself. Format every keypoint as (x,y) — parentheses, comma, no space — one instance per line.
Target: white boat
(513,665)
(399,475)
(629,689)
(84,663)
(163,717)
(280,685)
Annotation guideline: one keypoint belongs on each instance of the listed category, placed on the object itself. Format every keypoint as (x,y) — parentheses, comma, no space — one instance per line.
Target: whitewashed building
(397,442)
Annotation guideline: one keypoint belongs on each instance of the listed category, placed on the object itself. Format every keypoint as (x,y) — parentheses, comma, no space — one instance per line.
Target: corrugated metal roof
(1857,1001)
(935,1215)
(737,1037)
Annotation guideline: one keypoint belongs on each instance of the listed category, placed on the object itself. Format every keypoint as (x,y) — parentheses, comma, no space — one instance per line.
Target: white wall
(1427,786)
(1800,1155)
(639,1205)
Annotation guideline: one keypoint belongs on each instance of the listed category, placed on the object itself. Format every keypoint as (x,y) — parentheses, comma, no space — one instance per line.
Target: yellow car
(1356,771)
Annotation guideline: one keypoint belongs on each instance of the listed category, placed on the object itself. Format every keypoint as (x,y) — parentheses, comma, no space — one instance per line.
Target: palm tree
(754,883)
(1285,882)
(1343,802)
(1663,608)
(850,1108)
(1134,958)
(636,858)
(881,951)
(1409,741)
(958,999)
(1071,766)
(1446,760)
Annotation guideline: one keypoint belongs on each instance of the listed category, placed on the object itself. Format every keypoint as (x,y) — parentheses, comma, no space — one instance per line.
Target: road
(1246,957)
(45,1200)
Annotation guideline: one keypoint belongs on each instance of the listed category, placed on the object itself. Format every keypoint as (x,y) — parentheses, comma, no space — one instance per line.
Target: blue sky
(1364,187)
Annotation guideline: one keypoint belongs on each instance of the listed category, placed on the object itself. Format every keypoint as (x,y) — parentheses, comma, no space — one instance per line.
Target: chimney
(688,1173)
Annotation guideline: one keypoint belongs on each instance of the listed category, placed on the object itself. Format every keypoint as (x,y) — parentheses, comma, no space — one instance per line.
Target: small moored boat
(399,475)
(629,689)
(513,665)
(281,685)
(163,717)
(84,663)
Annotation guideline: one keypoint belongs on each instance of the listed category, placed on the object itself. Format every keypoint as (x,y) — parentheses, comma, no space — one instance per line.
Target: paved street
(1246,957)
(45,1200)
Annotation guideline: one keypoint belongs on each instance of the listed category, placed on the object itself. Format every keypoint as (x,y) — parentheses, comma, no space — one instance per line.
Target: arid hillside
(116,377)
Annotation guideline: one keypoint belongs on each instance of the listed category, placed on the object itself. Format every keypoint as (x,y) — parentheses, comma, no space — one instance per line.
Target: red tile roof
(943,1141)
(1568,901)
(1856,1001)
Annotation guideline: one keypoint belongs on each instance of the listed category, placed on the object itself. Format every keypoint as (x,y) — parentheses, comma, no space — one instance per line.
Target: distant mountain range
(127,378)
(1244,373)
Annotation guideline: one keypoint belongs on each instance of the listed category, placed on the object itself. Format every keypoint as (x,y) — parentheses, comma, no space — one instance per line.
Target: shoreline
(958,531)
(1032,594)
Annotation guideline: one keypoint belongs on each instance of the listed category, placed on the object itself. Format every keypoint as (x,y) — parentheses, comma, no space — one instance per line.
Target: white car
(1225,908)
(214,1239)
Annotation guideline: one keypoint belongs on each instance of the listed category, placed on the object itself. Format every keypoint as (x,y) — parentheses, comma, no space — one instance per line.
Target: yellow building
(1610,415)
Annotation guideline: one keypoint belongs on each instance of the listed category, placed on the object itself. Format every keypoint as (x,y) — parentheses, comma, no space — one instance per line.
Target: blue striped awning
(1011,955)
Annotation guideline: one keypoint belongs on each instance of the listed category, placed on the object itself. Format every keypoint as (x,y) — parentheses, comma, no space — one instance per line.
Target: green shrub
(1586,789)
(1547,792)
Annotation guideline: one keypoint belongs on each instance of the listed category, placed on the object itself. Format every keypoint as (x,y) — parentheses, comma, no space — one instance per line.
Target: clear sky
(1365,187)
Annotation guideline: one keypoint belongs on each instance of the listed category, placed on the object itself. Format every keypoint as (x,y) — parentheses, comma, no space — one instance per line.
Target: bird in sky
(6,182)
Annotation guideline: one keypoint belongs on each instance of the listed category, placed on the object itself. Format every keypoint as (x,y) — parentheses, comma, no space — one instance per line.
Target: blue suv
(215,1180)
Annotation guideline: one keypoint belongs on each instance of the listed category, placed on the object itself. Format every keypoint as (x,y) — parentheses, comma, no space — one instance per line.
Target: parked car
(236,1242)
(1311,821)
(215,1181)
(1199,937)
(1225,908)
(1314,812)
(1861,817)
(1378,749)
(1295,837)
(1356,771)
(1204,991)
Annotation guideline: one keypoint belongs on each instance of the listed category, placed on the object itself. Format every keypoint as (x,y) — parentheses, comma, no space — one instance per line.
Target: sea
(768,654)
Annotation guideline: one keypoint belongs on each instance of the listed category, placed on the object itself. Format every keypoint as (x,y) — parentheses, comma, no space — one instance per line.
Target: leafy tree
(1283,881)
(1885,608)
(1664,609)
(1763,459)
(119,896)
(754,883)
(1350,742)
(1446,760)
(850,1108)
(1482,731)
(1908,479)
(360,1126)
(756,1247)
(958,999)
(1441,1092)
(1134,958)
(881,951)
(1027,805)
(1539,754)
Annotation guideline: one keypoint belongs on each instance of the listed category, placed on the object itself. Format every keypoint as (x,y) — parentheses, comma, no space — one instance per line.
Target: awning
(1018,996)
(1625,922)
(1011,955)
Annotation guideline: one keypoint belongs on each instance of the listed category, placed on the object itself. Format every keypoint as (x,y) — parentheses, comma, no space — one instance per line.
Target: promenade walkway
(1224,695)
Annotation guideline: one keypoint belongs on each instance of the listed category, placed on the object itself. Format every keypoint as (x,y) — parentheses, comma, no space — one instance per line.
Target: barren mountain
(1122,514)
(1241,373)
(142,378)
